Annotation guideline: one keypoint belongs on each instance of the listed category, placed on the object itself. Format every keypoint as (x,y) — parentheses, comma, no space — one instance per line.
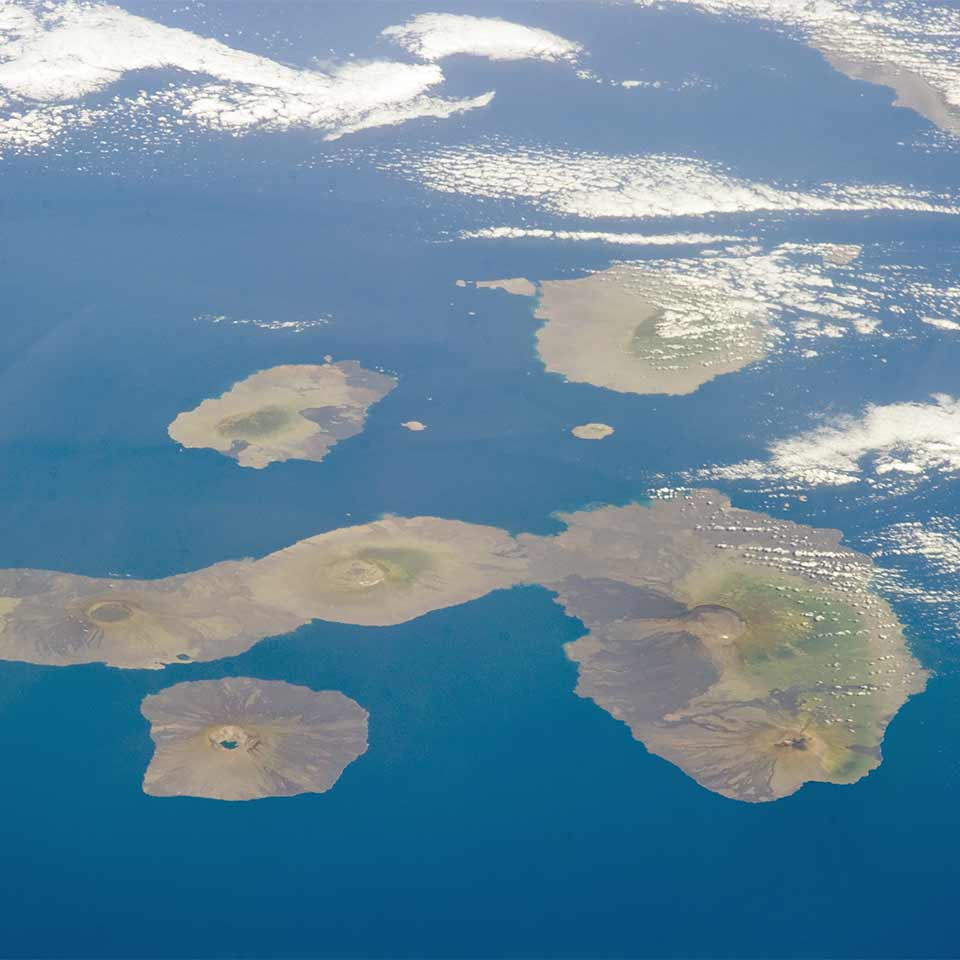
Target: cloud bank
(53,56)
(595,185)
(906,441)
(434,36)
(601,236)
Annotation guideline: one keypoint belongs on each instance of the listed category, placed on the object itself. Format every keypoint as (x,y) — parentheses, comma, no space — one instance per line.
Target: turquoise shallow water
(495,814)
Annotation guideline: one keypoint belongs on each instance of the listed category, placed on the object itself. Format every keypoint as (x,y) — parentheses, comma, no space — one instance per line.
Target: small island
(592,431)
(294,412)
(243,739)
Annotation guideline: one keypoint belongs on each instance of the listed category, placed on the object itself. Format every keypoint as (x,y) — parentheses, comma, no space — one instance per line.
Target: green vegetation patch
(650,346)
(257,423)
(796,635)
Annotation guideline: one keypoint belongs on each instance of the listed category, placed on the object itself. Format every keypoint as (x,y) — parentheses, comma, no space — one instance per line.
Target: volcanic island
(292,412)
(751,652)
(243,739)
(633,328)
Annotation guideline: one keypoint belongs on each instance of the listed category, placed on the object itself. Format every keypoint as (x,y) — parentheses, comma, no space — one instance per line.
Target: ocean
(495,814)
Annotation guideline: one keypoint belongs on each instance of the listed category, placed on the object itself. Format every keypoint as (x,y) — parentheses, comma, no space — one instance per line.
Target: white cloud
(797,290)
(627,239)
(902,441)
(936,541)
(433,36)
(594,185)
(30,129)
(941,323)
(65,52)
(920,562)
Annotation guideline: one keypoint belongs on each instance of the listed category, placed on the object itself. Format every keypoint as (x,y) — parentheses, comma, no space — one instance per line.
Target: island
(635,328)
(933,97)
(387,572)
(592,431)
(751,652)
(61,619)
(291,412)
(243,739)
(518,286)
(376,574)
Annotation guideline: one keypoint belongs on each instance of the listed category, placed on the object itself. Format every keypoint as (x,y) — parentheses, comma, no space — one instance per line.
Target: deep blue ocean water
(495,813)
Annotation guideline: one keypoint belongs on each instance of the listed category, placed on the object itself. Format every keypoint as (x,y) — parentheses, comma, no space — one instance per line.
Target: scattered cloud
(594,185)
